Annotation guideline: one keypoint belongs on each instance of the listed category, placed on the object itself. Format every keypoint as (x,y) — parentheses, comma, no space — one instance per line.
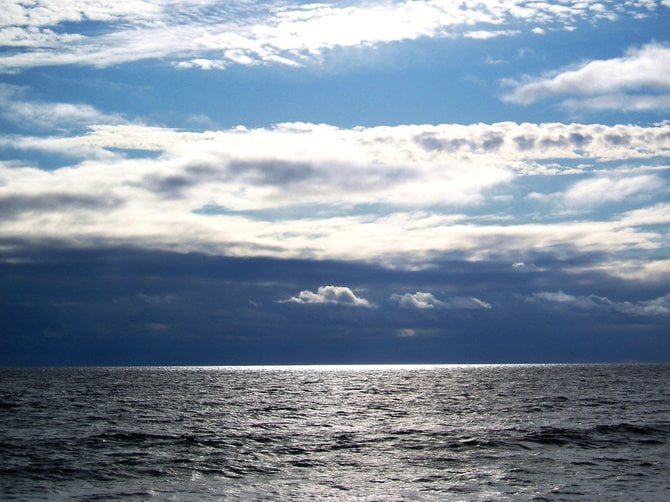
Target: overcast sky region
(270,182)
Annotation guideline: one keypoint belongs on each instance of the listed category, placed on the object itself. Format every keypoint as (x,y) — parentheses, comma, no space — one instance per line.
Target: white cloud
(620,101)
(467,302)
(309,191)
(607,84)
(16,36)
(648,270)
(46,115)
(417,300)
(406,333)
(202,64)
(49,13)
(656,306)
(421,300)
(336,295)
(603,190)
(658,214)
(489,34)
(212,35)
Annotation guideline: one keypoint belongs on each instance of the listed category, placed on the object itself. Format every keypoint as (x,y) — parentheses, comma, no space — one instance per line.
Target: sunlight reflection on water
(371,432)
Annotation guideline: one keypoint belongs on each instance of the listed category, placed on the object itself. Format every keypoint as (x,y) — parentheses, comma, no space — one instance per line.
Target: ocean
(457,432)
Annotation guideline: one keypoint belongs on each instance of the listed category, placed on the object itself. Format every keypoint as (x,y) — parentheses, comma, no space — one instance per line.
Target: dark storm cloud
(122,306)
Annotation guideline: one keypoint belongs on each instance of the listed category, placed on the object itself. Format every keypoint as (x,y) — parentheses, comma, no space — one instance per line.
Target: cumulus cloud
(653,307)
(637,81)
(421,300)
(334,295)
(213,35)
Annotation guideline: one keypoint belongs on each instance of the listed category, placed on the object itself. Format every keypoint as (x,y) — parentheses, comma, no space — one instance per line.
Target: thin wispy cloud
(657,306)
(421,300)
(604,190)
(17,108)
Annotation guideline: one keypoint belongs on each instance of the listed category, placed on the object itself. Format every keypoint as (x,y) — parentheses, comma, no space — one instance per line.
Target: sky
(358,181)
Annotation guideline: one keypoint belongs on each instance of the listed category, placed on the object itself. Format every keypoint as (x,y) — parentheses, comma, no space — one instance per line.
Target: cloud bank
(406,195)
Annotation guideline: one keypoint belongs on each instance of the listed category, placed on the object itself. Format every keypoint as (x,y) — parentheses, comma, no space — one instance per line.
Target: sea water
(489,432)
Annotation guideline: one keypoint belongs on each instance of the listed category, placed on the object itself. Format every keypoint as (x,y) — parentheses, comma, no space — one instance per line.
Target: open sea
(471,432)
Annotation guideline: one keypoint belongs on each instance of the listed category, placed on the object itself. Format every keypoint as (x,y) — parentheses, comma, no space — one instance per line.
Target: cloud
(212,35)
(190,293)
(25,113)
(467,302)
(521,266)
(620,101)
(334,295)
(406,195)
(420,300)
(406,333)
(489,34)
(602,190)
(647,270)
(53,203)
(638,81)
(654,307)
(658,214)
(417,300)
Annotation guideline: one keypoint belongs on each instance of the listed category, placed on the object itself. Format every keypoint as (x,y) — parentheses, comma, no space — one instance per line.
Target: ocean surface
(491,432)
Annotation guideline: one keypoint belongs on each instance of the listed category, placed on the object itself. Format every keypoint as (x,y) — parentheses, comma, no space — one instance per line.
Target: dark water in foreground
(402,433)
